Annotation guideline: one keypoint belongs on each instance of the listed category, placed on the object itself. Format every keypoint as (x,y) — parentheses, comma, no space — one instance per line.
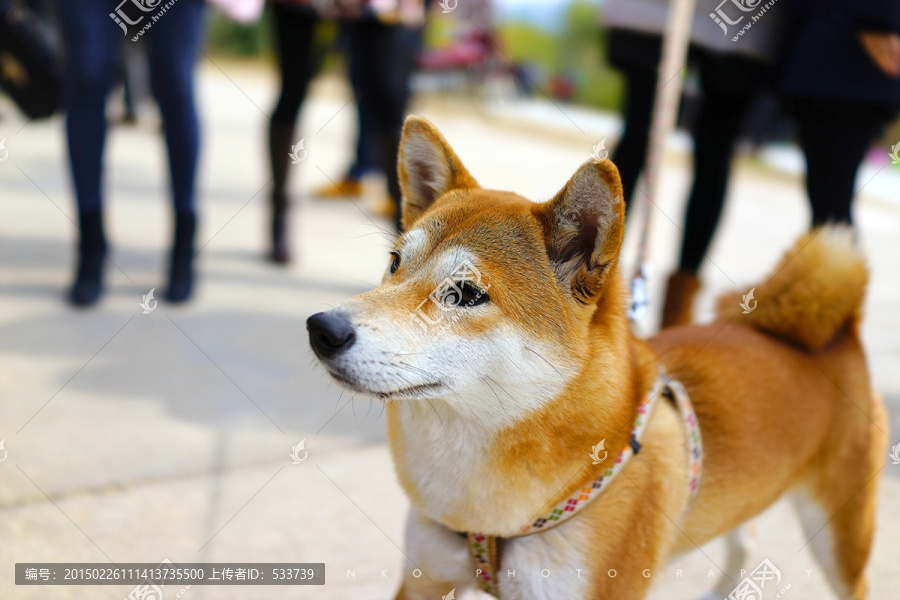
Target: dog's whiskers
(443,427)
(428,400)
(546,361)
(413,369)
(502,388)
(484,379)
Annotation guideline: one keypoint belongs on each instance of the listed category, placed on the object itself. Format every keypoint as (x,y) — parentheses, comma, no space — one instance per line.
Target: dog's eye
(472,295)
(395,261)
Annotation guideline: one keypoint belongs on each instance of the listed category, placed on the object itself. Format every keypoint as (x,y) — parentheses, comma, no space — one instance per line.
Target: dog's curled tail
(817,288)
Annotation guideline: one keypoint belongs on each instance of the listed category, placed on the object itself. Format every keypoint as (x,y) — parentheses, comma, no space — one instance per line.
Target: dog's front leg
(438,561)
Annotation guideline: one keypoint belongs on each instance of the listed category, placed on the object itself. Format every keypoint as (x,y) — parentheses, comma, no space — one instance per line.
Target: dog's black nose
(329,333)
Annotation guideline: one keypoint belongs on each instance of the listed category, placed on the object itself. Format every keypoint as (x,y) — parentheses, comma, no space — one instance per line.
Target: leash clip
(637,310)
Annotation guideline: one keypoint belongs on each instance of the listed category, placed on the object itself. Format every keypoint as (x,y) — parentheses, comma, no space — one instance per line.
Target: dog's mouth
(409,392)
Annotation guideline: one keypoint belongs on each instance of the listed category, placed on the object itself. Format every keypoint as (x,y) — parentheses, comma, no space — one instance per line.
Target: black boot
(91,254)
(181,266)
(280,141)
(279,253)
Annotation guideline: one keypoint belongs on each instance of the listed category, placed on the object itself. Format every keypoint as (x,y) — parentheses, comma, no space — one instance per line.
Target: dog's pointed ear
(428,168)
(583,228)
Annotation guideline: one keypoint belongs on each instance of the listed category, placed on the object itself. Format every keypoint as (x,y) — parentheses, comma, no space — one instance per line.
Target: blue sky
(547,14)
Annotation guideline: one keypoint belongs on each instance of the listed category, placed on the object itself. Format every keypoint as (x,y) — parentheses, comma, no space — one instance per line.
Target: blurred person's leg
(730,85)
(368,151)
(385,59)
(714,140)
(297,65)
(174,42)
(636,55)
(366,156)
(90,40)
(835,136)
(135,80)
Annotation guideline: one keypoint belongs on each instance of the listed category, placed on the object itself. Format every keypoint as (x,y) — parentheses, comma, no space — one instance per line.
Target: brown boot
(680,292)
(386,207)
(344,189)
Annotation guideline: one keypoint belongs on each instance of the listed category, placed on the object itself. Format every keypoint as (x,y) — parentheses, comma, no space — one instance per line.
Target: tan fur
(783,403)
(818,285)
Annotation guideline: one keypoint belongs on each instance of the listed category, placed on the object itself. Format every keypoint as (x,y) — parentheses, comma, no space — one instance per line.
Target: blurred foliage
(440,33)
(227,38)
(576,53)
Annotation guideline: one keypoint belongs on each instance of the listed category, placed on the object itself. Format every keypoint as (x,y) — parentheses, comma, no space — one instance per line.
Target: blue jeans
(92,39)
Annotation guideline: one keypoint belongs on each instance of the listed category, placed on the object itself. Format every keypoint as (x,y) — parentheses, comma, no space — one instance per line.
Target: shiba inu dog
(499,341)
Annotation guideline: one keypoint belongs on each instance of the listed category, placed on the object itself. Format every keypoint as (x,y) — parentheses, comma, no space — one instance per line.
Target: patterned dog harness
(484,549)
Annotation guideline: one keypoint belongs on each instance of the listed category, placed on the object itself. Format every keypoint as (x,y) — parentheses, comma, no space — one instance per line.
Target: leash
(484,550)
(676,39)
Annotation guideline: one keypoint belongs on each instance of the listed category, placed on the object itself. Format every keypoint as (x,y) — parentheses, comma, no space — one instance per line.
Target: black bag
(30,63)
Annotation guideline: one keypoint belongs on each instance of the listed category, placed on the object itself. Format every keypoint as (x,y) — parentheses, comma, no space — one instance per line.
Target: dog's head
(489,301)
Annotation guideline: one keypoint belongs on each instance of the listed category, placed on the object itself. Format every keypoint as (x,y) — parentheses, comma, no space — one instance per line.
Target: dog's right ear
(583,229)
(428,168)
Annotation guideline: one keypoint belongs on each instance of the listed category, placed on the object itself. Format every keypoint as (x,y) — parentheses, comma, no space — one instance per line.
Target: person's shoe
(280,252)
(345,188)
(181,266)
(91,253)
(680,292)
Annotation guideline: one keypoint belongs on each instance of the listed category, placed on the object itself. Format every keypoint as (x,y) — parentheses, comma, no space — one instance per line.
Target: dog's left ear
(583,228)
(428,168)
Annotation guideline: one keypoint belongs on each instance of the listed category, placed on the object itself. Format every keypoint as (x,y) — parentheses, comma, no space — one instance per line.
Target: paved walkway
(137,437)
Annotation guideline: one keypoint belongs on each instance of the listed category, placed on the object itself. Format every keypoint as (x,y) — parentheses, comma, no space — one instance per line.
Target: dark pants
(381,64)
(835,136)
(92,57)
(730,83)
(369,153)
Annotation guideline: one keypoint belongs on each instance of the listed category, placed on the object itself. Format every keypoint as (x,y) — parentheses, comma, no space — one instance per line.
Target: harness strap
(484,549)
(676,392)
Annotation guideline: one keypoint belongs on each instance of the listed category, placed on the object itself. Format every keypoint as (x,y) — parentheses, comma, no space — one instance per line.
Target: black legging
(297,62)
(730,83)
(715,133)
(382,60)
(835,136)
